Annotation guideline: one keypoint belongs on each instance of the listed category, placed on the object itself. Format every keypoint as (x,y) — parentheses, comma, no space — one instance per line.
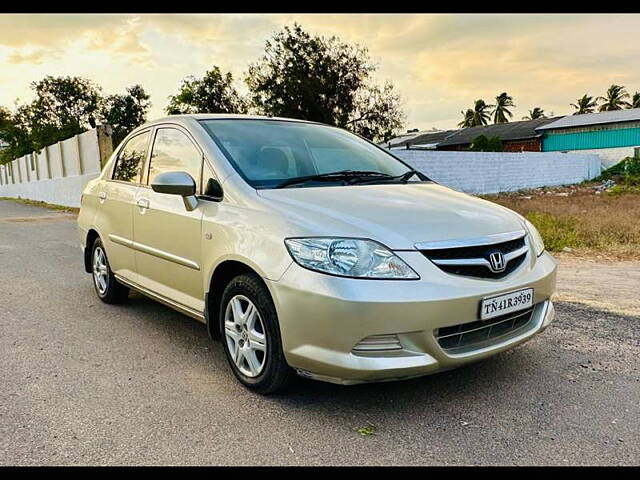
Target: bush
(628,169)
(483,144)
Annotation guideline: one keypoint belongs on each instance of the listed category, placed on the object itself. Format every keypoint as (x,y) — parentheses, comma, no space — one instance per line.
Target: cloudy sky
(439,63)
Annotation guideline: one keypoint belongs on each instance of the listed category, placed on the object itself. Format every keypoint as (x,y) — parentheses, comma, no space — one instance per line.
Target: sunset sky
(438,63)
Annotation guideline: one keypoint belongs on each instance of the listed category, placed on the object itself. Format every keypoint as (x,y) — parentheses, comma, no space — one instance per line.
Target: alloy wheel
(245,335)
(100,270)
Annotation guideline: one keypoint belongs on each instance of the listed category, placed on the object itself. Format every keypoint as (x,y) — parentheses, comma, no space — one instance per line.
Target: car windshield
(274,153)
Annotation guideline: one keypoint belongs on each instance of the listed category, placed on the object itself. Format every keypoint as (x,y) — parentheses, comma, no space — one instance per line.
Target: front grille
(478,334)
(473,260)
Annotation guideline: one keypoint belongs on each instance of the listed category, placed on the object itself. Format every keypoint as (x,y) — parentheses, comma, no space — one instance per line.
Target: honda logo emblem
(496,262)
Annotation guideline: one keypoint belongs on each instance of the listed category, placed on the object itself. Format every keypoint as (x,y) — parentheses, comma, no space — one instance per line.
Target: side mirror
(213,190)
(177,183)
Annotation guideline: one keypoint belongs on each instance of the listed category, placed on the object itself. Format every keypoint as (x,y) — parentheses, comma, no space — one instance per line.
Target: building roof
(505,131)
(428,137)
(614,116)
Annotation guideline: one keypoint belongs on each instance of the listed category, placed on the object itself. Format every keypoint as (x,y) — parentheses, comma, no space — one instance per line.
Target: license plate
(491,307)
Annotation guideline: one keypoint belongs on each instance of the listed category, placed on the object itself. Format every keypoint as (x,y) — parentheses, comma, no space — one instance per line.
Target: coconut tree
(501,111)
(614,99)
(586,104)
(481,115)
(467,118)
(534,114)
(635,100)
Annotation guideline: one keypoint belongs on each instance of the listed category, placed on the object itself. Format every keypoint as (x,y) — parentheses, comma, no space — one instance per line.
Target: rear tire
(108,289)
(251,336)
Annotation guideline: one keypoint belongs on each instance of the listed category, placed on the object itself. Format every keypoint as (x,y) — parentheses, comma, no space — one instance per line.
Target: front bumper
(323,317)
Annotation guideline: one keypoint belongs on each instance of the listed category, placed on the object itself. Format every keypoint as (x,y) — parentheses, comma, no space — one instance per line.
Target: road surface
(89,383)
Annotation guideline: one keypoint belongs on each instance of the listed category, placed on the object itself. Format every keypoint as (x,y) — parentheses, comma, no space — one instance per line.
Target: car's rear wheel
(108,289)
(251,336)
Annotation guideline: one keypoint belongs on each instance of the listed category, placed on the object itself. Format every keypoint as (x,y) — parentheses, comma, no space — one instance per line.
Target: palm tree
(586,104)
(635,100)
(614,99)
(500,111)
(481,115)
(467,120)
(534,114)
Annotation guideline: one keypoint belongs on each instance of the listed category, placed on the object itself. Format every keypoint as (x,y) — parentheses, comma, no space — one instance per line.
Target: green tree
(483,144)
(125,112)
(501,108)
(322,79)
(13,135)
(586,104)
(614,99)
(377,113)
(534,114)
(635,100)
(213,93)
(481,115)
(467,118)
(63,107)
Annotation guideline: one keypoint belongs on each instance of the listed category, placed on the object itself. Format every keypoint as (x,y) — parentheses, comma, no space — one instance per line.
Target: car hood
(398,215)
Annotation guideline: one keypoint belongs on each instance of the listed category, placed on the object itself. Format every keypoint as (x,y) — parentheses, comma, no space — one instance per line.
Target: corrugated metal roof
(614,116)
(416,137)
(421,138)
(505,131)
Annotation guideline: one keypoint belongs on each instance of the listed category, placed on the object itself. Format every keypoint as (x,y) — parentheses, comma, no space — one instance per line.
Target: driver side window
(174,151)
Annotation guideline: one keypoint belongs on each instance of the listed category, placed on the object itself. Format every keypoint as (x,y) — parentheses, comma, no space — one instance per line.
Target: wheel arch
(92,235)
(222,274)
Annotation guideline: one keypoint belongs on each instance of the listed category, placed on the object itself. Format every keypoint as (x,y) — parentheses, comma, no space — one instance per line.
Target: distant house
(516,136)
(612,135)
(427,139)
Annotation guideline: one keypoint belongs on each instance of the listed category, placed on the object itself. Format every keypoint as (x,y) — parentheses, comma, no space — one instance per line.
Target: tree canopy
(213,93)
(125,112)
(535,113)
(585,104)
(64,107)
(614,99)
(322,79)
(501,108)
(483,144)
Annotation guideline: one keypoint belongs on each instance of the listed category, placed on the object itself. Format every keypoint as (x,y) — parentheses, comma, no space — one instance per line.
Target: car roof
(184,118)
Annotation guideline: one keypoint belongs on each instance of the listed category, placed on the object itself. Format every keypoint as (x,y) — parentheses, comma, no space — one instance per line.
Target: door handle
(102,196)
(143,203)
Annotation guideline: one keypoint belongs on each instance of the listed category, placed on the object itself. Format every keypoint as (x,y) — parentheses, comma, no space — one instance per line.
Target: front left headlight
(349,257)
(534,236)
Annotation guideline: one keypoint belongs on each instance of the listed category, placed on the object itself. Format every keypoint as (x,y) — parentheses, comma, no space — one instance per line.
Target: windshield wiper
(403,178)
(333,176)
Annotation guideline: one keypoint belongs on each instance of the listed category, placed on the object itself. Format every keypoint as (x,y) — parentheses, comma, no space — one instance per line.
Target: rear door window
(131,158)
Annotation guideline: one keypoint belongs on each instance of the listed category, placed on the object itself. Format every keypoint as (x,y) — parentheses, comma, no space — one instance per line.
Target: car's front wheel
(251,336)
(109,290)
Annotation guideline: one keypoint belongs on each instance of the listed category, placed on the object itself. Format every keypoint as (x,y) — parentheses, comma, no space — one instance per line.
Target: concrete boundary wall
(59,172)
(494,172)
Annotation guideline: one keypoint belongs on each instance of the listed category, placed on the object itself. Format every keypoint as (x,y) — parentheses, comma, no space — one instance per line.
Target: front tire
(108,289)
(251,336)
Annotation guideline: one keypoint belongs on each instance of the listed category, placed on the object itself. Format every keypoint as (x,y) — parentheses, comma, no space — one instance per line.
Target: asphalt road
(88,383)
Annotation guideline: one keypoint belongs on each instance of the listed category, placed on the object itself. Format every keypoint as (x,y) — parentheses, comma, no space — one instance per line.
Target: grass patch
(38,203)
(370,429)
(607,224)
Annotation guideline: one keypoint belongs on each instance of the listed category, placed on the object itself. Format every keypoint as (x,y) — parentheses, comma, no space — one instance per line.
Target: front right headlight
(534,236)
(349,257)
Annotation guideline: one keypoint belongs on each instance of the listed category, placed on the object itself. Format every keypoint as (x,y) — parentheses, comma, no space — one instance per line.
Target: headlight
(536,239)
(349,257)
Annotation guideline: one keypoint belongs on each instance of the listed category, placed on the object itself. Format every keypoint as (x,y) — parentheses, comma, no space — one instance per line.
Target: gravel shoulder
(600,283)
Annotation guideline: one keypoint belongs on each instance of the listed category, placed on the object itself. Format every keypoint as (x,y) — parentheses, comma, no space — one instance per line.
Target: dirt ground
(600,283)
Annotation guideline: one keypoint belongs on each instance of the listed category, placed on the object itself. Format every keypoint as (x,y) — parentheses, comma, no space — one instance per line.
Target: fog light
(378,343)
